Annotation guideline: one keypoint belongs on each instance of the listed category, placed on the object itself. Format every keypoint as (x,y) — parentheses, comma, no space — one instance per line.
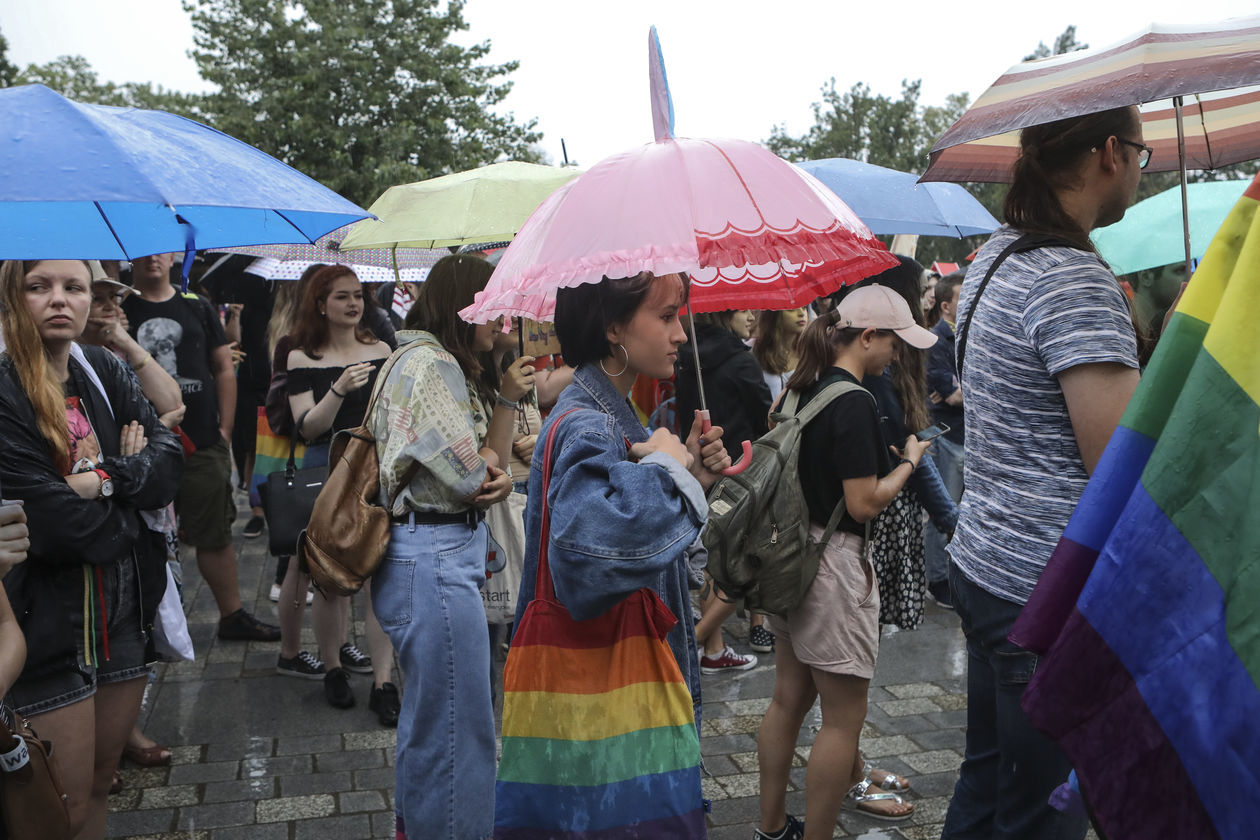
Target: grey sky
(736,67)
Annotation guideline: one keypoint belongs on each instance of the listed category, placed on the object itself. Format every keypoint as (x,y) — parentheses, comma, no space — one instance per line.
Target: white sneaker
(275,593)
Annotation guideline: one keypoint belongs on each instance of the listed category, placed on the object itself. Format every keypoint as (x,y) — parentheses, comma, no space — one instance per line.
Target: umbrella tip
(662,102)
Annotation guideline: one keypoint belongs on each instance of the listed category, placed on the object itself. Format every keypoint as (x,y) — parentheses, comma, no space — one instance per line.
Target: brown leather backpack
(348,531)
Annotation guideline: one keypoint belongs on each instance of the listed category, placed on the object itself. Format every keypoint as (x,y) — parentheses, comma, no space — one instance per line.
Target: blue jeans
(426,596)
(1009,768)
(949,463)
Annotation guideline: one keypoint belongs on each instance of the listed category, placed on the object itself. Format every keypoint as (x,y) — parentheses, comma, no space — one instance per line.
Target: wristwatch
(107,484)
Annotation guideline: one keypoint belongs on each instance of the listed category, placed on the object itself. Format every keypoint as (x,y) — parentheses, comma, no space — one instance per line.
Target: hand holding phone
(932,432)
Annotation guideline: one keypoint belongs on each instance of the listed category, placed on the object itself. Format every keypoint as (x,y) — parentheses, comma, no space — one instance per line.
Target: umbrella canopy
(1148,68)
(327,249)
(1150,233)
(768,234)
(93,181)
(270,268)
(892,202)
(482,205)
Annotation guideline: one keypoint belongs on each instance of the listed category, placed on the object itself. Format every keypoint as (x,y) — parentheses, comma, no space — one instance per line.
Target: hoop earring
(625,367)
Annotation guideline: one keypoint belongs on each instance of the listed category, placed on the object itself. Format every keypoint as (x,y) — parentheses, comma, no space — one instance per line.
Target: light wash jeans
(949,463)
(426,596)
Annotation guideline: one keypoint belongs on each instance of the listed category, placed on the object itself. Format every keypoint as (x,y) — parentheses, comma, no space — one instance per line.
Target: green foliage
(358,95)
(8,72)
(1065,43)
(73,77)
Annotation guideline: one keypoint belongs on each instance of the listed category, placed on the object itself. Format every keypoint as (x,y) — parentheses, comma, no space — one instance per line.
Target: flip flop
(117,785)
(857,799)
(158,755)
(891,781)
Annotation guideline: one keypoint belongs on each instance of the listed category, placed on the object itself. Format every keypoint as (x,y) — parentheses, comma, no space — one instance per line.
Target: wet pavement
(264,757)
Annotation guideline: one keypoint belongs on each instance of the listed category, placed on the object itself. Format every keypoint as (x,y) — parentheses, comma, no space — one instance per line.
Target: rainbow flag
(1149,612)
(599,734)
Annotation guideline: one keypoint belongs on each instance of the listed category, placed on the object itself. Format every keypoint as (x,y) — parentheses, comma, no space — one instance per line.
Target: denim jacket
(616,525)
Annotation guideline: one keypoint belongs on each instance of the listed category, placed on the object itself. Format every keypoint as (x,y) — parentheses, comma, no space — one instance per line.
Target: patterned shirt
(428,414)
(1043,312)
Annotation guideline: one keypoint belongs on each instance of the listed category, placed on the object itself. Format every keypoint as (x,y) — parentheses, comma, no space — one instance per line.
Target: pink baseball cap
(879,307)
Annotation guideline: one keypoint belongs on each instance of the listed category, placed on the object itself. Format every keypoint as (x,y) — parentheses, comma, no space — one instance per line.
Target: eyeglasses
(1144,152)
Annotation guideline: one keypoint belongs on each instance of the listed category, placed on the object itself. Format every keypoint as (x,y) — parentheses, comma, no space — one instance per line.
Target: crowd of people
(121,421)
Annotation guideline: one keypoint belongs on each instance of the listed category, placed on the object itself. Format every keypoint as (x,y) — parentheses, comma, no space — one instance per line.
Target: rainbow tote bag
(599,737)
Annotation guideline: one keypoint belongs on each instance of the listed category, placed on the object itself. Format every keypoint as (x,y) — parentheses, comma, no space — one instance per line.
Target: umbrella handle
(744,460)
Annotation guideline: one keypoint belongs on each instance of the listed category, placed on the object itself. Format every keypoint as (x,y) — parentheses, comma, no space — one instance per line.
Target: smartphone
(932,432)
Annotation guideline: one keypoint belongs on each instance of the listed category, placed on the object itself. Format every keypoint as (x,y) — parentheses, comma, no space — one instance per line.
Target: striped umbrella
(327,249)
(1199,86)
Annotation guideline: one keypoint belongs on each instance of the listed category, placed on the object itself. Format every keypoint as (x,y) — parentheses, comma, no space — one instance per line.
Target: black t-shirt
(318,381)
(844,441)
(180,333)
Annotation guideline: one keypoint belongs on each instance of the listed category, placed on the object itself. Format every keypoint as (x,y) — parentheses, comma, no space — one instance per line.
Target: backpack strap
(815,406)
(1026,242)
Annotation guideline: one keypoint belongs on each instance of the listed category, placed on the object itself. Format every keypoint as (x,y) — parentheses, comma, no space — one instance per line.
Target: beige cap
(99,276)
(879,307)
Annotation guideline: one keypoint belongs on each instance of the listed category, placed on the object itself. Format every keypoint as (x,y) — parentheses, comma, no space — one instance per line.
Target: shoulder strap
(1026,242)
(824,398)
(544,587)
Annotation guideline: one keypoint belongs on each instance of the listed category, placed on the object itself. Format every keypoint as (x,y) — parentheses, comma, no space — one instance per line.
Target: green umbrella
(482,205)
(1150,234)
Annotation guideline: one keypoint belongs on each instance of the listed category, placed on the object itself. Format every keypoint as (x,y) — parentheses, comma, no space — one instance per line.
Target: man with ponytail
(1047,358)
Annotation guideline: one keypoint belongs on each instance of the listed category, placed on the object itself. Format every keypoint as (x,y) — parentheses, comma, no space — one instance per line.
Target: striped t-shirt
(1044,311)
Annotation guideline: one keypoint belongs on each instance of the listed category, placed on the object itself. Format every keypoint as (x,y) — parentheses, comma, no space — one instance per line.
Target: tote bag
(599,737)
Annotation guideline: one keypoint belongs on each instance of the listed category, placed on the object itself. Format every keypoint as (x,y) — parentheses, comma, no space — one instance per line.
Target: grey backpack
(757,535)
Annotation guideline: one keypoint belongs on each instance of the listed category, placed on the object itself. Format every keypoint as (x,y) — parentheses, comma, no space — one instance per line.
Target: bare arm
(1096,395)
(551,383)
(12,645)
(224,388)
(866,496)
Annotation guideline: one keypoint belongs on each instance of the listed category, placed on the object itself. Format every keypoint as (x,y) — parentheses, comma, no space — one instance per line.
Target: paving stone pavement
(264,757)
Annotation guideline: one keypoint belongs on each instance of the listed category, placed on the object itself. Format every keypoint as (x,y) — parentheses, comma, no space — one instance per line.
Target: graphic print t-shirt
(83,442)
(180,333)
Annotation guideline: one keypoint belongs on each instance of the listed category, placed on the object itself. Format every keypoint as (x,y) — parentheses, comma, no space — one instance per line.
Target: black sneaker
(941,595)
(761,639)
(304,666)
(384,701)
(353,659)
(240,626)
(253,528)
(794,829)
(337,689)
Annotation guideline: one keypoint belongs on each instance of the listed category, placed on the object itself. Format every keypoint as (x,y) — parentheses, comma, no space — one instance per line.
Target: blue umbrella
(98,182)
(892,202)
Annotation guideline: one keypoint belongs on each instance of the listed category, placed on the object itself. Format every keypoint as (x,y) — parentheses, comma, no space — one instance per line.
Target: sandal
(158,755)
(891,781)
(859,800)
(116,786)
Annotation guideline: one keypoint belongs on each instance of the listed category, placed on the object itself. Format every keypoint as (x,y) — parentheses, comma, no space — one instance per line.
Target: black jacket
(66,531)
(734,388)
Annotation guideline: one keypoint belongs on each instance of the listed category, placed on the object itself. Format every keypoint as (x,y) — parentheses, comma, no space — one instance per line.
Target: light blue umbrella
(892,202)
(1151,234)
(98,182)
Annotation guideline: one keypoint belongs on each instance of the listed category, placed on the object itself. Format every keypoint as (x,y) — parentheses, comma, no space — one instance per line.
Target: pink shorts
(836,627)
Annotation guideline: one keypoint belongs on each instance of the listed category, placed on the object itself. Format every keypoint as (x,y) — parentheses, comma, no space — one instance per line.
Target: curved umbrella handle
(744,460)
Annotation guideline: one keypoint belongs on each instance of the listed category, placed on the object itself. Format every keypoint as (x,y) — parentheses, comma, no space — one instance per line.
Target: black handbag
(288,498)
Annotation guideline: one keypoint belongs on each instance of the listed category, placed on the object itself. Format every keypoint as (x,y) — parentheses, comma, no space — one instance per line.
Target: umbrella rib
(280,213)
(110,225)
(1207,141)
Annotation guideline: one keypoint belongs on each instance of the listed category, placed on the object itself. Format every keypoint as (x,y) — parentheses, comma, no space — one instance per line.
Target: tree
(8,72)
(360,95)
(1065,43)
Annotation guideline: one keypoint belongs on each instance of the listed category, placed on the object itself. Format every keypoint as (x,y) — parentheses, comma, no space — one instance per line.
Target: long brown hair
(909,372)
(310,327)
(773,349)
(817,347)
(1049,158)
(32,363)
(451,286)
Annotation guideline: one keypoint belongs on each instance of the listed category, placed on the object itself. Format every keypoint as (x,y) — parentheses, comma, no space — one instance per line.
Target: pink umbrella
(755,231)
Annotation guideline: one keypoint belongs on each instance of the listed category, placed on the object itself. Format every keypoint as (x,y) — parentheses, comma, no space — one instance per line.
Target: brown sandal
(158,755)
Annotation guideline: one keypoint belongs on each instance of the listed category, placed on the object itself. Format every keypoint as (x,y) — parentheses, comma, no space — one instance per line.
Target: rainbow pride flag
(599,734)
(1148,614)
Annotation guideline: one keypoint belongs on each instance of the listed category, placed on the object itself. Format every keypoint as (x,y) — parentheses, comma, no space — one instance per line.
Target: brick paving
(264,757)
